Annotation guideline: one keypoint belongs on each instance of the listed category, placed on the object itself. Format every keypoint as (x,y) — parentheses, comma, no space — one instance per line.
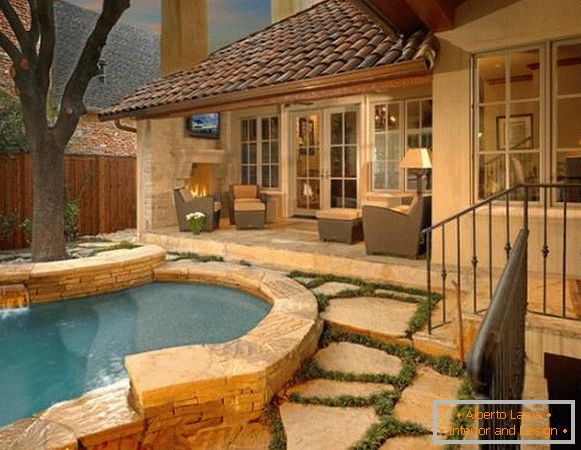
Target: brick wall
(102,138)
(21,7)
(92,136)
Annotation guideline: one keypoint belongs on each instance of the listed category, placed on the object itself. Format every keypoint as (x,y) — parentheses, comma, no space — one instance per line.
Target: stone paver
(415,404)
(380,318)
(332,388)
(303,280)
(410,443)
(333,288)
(347,357)
(255,436)
(324,428)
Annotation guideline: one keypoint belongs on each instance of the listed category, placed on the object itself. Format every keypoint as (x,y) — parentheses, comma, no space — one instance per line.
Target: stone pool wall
(107,271)
(197,396)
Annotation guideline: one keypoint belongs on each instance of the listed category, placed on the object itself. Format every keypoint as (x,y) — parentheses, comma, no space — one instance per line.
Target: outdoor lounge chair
(186,204)
(396,231)
(247,206)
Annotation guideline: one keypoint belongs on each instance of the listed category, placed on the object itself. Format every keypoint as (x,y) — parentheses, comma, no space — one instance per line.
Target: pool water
(58,351)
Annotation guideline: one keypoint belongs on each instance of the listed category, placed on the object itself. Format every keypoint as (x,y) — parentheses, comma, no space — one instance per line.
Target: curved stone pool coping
(105,272)
(178,394)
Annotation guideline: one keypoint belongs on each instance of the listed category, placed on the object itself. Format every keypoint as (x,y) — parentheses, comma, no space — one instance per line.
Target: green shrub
(7,225)
(71,216)
(12,135)
(26,228)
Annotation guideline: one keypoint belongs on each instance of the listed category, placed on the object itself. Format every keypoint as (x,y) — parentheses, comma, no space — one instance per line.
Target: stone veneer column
(184,34)
(184,42)
(280,9)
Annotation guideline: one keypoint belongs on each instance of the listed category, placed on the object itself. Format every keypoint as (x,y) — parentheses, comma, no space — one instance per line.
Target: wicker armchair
(247,206)
(396,231)
(185,204)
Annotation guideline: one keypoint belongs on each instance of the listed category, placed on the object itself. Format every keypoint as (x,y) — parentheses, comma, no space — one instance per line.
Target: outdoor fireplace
(196,193)
(200,182)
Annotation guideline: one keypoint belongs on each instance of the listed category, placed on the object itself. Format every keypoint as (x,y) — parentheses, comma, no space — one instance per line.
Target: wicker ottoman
(340,225)
(249,214)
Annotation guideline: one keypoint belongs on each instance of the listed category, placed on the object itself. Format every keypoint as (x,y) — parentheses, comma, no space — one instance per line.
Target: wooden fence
(104,188)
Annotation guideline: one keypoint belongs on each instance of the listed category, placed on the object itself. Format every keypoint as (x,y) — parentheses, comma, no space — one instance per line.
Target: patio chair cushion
(339,214)
(401,208)
(246,200)
(245,191)
(249,206)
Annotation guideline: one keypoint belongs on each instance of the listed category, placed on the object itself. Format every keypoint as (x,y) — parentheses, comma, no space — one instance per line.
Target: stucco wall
(483,26)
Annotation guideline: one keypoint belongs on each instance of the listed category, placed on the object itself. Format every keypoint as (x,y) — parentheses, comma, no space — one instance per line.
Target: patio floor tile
(354,358)
(332,388)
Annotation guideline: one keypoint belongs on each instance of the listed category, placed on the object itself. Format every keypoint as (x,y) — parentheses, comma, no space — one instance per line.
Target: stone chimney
(184,34)
(279,9)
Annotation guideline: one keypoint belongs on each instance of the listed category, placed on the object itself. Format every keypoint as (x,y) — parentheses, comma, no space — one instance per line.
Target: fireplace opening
(200,181)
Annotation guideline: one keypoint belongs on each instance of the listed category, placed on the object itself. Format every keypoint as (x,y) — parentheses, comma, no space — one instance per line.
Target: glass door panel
(343,159)
(307,155)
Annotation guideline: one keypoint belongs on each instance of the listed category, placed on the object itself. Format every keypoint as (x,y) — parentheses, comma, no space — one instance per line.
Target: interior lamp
(419,160)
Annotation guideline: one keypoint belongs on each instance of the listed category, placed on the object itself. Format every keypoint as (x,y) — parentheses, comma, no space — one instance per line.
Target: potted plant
(196,221)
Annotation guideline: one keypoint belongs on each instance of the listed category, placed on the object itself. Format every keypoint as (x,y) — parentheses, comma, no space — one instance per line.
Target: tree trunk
(48,192)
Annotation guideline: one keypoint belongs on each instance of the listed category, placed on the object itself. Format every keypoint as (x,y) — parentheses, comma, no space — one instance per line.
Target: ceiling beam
(437,15)
(409,15)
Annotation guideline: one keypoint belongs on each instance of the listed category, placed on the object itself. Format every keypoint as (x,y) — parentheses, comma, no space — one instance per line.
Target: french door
(325,153)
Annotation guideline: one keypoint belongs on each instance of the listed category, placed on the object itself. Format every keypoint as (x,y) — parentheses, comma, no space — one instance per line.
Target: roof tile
(333,37)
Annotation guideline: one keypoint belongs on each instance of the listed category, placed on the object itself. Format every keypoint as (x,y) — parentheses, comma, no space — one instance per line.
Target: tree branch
(47,42)
(72,106)
(34,22)
(16,24)
(11,50)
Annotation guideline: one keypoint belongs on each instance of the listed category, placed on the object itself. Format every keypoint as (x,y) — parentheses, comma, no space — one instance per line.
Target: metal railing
(519,196)
(496,363)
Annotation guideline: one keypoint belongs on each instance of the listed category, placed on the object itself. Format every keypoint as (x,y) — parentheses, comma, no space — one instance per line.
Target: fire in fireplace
(200,181)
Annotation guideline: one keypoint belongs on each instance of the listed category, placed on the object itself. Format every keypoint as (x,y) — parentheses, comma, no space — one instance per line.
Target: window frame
(544,57)
(259,164)
(553,118)
(403,133)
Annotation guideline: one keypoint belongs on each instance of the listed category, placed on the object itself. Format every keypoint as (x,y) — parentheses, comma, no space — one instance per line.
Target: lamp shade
(416,158)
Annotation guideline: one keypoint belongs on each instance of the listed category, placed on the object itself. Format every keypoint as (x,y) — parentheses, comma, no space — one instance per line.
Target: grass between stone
(368,289)
(274,421)
(179,256)
(123,245)
(383,402)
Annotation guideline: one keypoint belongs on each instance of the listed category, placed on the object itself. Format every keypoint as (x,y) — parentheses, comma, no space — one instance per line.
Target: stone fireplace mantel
(185,157)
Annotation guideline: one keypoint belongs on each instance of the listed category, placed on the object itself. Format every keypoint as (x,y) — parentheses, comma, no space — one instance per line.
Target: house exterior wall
(486,26)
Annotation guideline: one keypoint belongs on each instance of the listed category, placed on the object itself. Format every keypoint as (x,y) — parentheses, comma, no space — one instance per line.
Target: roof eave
(392,71)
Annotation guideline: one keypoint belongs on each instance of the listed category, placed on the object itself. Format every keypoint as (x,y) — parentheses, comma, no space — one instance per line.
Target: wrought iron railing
(510,200)
(496,362)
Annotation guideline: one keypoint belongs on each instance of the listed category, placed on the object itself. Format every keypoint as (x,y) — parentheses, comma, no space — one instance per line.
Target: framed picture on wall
(520,132)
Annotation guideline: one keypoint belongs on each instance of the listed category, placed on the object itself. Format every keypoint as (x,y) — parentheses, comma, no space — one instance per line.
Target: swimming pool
(58,351)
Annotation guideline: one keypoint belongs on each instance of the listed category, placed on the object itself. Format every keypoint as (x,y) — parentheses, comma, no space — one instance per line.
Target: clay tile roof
(334,37)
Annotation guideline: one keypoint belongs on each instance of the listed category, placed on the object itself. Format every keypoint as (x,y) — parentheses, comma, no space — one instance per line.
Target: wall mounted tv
(204,125)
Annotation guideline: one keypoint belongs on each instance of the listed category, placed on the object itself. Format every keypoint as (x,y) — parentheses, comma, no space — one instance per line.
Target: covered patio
(293,244)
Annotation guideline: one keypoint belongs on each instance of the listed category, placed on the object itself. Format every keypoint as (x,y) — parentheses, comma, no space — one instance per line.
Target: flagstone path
(321,413)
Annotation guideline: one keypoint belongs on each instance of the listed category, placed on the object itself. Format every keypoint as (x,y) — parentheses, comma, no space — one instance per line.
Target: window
(259,152)
(397,124)
(567,118)
(508,119)
(512,117)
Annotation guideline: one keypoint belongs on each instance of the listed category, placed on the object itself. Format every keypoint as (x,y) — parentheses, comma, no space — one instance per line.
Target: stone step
(415,403)
(353,358)
(380,318)
(333,288)
(315,427)
(332,389)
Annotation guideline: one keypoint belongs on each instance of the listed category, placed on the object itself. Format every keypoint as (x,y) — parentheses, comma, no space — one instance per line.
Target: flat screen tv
(204,125)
